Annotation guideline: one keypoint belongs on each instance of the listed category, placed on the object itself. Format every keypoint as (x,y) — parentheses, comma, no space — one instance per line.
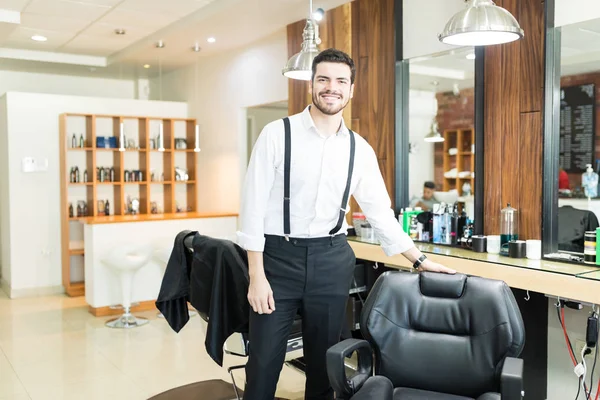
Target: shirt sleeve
(255,193)
(374,200)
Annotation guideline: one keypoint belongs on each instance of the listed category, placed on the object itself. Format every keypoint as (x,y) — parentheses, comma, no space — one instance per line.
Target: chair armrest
(336,369)
(511,379)
(376,387)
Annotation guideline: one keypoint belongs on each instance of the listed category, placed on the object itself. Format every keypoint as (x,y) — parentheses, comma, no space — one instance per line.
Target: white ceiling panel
(178,8)
(107,31)
(68,9)
(121,18)
(13,5)
(52,23)
(23,35)
(109,3)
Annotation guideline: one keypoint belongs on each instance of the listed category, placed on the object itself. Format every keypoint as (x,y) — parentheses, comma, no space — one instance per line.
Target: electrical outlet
(579,344)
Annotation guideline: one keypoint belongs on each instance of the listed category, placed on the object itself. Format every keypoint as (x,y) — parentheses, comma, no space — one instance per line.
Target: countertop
(111,219)
(572,281)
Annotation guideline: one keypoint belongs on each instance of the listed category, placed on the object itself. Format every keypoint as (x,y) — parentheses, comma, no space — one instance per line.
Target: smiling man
(301,173)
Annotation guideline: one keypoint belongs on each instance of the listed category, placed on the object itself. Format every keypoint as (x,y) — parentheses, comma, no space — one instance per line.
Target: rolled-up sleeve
(255,193)
(374,200)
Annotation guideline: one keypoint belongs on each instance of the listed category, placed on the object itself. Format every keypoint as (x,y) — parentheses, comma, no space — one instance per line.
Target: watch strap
(418,263)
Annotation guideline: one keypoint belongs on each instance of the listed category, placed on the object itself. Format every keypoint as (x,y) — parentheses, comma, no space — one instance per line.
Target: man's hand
(260,295)
(429,265)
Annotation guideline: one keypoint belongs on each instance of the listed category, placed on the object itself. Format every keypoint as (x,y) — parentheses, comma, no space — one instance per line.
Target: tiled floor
(52,348)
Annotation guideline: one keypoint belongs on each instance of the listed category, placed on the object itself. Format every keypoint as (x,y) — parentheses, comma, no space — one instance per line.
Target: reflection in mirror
(441,144)
(259,116)
(579,160)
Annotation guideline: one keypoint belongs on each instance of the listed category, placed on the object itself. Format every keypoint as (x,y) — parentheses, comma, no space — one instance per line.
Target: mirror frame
(551,134)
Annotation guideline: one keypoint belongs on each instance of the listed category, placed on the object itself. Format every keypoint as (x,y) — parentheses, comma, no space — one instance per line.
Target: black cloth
(572,225)
(312,277)
(215,282)
(175,287)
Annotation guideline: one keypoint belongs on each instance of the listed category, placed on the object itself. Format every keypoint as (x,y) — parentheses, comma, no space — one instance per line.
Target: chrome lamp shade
(434,135)
(481,23)
(299,66)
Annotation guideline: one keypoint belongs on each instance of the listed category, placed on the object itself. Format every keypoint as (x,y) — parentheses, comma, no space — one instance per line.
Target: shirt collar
(309,123)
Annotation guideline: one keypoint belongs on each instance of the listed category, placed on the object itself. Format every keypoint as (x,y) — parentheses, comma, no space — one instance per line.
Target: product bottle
(107,207)
(454,233)
(461,225)
(85,176)
(71,175)
(74,141)
(85,209)
(112,174)
(102,174)
(79,209)
(438,210)
(81,141)
(70,210)
(77,175)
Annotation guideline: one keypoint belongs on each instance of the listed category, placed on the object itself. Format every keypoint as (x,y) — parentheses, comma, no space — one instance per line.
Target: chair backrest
(444,333)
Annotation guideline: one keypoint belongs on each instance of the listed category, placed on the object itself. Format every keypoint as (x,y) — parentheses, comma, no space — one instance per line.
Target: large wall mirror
(441,133)
(573,135)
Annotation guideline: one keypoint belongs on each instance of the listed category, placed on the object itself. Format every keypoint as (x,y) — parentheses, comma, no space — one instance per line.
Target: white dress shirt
(318,175)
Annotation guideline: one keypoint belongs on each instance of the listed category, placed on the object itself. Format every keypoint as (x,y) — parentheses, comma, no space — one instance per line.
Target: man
(427,201)
(298,256)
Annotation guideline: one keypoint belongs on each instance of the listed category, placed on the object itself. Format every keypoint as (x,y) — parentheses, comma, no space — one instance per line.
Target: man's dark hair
(429,185)
(336,56)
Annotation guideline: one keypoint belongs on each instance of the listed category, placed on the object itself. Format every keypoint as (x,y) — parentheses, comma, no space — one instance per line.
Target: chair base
(127,321)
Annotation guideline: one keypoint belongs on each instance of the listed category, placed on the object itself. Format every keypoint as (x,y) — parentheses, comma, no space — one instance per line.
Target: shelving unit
(159,190)
(463,140)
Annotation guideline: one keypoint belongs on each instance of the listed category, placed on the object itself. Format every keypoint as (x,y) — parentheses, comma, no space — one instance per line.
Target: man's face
(331,88)
(427,193)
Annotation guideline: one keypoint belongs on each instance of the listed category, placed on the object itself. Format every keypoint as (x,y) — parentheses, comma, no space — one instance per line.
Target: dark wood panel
(531,19)
(530,173)
(374,48)
(513,133)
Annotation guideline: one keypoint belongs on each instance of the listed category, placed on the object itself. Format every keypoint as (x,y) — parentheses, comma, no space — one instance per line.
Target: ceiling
(580,47)
(82,39)
(443,72)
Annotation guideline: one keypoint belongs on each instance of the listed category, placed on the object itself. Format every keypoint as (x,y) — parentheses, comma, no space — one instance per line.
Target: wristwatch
(418,263)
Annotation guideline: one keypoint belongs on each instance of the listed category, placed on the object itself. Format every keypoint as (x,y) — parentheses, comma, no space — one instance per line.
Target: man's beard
(327,109)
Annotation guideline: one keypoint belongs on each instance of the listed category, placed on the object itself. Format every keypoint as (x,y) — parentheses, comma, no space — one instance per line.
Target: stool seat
(125,260)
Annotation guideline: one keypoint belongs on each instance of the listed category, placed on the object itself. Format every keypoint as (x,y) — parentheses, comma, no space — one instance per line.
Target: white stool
(126,260)
(161,255)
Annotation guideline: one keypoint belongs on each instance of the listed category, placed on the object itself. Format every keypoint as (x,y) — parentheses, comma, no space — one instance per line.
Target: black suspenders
(286,181)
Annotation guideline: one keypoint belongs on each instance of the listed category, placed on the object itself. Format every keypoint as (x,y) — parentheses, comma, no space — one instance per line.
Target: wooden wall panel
(373,20)
(531,19)
(365,29)
(513,123)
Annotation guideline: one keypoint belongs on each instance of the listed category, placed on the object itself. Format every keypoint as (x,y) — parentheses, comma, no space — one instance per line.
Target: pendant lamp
(434,135)
(481,23)
(299,66)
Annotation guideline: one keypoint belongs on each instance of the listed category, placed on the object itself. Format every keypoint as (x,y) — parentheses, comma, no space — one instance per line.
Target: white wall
(562,382)
(227,84)
(17,81)
(422,107)
(260,117)
(423,21)
(573,11)
(4,212)
(34,198)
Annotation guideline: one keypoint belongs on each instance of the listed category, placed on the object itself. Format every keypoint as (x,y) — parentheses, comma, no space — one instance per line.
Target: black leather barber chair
(433,336)
(238,343)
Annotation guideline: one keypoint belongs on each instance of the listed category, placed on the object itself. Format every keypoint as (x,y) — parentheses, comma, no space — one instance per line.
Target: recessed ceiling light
(211,40)
(146,66)
(39,38)
(160,44)
(196,47)
(470,56)
(120,31)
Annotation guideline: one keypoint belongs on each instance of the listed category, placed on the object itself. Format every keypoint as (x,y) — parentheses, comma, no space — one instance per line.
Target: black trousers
(311,277)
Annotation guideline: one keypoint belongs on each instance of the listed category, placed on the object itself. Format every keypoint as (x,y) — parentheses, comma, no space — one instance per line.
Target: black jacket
(572,225)
(215,281)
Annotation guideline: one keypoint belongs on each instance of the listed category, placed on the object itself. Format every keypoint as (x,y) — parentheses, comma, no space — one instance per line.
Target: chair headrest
(442,285)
